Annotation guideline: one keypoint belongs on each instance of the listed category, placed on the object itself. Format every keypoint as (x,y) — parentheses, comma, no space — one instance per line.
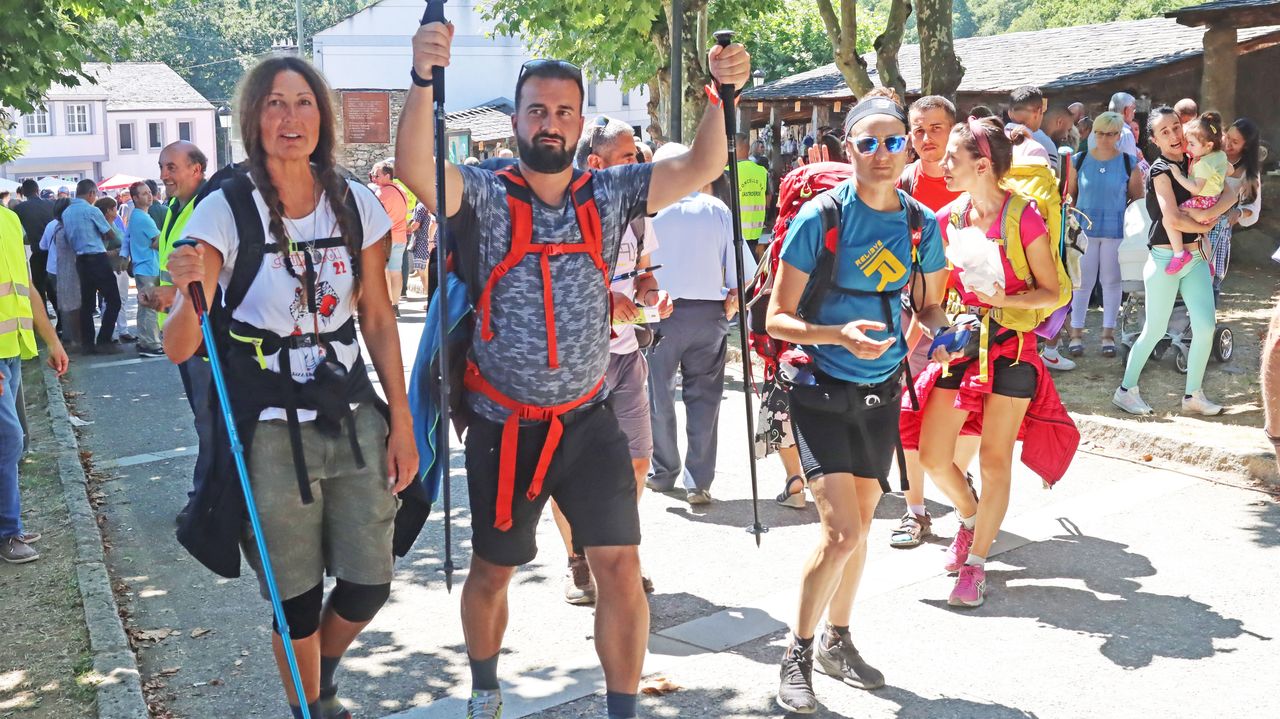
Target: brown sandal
(912,531)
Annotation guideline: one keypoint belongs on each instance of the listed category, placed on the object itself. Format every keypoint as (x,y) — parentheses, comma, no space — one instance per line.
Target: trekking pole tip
(758,529)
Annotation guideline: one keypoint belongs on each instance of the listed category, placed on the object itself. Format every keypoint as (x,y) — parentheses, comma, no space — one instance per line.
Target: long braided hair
(255,89)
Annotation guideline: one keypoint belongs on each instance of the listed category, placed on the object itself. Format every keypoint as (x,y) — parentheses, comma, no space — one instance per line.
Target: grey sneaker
(1130,401)
(1197,403)
(837,657)
(15,551)
(795,689)
(579,587)
(698,496)
(485,705)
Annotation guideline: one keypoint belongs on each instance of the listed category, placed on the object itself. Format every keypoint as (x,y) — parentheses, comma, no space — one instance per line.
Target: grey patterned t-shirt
(515,361)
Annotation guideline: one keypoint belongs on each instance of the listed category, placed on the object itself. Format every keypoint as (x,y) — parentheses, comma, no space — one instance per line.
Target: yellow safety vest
(174,223)
(753,185)
(411,200)
(17,326)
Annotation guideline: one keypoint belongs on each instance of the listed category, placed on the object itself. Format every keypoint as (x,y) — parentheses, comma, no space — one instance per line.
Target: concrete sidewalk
(1134,581)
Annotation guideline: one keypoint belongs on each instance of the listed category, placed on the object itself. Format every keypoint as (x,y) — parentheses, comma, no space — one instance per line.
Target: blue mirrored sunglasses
(867,145)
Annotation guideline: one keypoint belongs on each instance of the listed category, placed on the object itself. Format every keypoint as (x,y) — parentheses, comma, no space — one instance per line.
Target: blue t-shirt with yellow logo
(874,254)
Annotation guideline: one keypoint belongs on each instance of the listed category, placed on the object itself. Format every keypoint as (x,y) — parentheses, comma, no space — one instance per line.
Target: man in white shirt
(1026,107)
(700,273)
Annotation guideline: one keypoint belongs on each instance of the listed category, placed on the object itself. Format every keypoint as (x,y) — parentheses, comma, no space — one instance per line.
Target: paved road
(1127,586)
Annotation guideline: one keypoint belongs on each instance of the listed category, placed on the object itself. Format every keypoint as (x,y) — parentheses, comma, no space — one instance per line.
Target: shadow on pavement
(1266,532)
(737,513)
(383,673)
(1136,626)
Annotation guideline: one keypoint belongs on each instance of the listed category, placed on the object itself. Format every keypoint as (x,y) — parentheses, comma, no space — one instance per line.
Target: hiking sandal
(795,500)
(912,532)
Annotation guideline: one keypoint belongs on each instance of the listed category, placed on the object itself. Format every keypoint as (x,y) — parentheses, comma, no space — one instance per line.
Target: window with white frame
(37,122)
(626,98)
(77,119)
(125,139)
(185,130)
(591,94)
(155,135)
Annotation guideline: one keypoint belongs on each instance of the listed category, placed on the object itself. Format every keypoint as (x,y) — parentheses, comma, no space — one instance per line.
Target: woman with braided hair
(326,457)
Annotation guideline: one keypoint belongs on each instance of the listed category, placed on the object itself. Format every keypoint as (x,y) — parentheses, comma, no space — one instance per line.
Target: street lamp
(757,78)
(224,123)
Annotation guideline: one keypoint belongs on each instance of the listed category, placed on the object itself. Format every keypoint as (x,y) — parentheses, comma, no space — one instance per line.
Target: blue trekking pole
(237,451)
(435,13)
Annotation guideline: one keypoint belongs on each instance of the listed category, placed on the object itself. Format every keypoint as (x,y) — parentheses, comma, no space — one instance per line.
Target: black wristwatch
(418,79)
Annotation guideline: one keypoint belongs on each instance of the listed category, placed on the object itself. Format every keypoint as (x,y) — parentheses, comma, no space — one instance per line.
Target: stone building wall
(360,158)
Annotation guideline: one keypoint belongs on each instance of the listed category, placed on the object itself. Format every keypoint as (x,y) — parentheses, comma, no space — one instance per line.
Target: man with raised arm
(537,245)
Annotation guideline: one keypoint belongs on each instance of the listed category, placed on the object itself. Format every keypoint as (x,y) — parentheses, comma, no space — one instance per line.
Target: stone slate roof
(1220,5)
(1054,60)
(136,86)
(487,122)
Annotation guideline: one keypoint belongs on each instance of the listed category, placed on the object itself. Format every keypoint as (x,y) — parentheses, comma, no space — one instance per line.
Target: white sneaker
(1130,401)
(1055,361)
(1197,403)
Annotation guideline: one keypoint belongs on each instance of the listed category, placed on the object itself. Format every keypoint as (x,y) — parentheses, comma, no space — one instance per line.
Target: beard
(543,158)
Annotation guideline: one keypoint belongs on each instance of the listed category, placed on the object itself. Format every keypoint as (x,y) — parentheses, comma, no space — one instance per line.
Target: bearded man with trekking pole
(534,370)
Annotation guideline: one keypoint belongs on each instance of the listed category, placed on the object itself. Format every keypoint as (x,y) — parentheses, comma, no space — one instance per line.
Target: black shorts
(1007,379)
(590,478)
(843,427)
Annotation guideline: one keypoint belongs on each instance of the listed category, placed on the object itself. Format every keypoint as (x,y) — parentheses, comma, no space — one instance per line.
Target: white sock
(975,561)
(917,509)
(968,522)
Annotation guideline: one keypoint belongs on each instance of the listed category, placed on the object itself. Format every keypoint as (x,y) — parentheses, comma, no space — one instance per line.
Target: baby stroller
(1177,338)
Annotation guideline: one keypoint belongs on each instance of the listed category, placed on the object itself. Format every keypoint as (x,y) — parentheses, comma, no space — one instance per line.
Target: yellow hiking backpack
(1044,321)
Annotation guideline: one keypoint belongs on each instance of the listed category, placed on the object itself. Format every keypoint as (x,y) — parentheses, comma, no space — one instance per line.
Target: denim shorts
(395,260)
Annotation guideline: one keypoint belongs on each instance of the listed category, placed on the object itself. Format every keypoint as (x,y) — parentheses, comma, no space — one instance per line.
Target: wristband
(418,79)
(713,95)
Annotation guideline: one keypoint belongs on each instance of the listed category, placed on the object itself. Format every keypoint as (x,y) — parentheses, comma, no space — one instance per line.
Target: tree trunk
(940,69)
(695,74)
(888,45)
(842,31)
(660,84)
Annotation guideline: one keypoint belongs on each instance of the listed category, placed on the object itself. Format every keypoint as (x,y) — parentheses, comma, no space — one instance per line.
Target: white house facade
(117,125)
(371,51)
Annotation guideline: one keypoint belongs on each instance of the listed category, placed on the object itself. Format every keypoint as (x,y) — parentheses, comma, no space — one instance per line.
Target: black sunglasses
(539,64)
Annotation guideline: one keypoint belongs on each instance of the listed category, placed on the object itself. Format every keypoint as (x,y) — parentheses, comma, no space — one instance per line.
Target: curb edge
(119,693)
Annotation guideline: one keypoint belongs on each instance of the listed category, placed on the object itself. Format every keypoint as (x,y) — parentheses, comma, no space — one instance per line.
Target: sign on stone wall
(366,117)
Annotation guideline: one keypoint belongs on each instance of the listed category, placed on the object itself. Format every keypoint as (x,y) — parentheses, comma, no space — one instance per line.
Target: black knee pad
(358,602)
(302,613)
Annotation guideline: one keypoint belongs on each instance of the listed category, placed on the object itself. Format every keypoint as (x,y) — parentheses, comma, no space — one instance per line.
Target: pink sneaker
(1177,263)
(958,552)
(970,587)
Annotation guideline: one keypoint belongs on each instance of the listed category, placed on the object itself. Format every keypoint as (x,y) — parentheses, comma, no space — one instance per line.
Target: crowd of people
(595,275)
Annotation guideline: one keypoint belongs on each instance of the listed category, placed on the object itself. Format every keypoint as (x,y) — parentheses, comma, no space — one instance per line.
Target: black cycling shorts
(590,477)
(1007,379)
(842,427)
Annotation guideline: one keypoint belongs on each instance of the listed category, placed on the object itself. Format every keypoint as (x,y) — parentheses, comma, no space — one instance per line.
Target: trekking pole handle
(723,39)
(195,289)
(435,13)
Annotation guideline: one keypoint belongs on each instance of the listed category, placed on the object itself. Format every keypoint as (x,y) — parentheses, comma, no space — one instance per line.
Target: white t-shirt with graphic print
(625,342)
(276,301)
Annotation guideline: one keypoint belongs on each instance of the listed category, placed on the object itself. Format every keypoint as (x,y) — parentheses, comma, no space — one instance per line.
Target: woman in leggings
(326,456)
(1194,282)
(1105,180)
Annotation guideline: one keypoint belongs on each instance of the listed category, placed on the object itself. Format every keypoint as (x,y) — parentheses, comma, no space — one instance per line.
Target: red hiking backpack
(798,187)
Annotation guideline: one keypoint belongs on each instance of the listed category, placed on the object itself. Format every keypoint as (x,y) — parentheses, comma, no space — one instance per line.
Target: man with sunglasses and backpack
(535,370)
(847,257)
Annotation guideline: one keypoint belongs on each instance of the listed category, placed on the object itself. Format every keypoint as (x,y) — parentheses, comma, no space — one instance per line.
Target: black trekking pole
(727,94)
(196,291)
(435,13)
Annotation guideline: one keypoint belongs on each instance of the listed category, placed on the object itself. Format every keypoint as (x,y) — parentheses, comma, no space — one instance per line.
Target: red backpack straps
(520,208)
